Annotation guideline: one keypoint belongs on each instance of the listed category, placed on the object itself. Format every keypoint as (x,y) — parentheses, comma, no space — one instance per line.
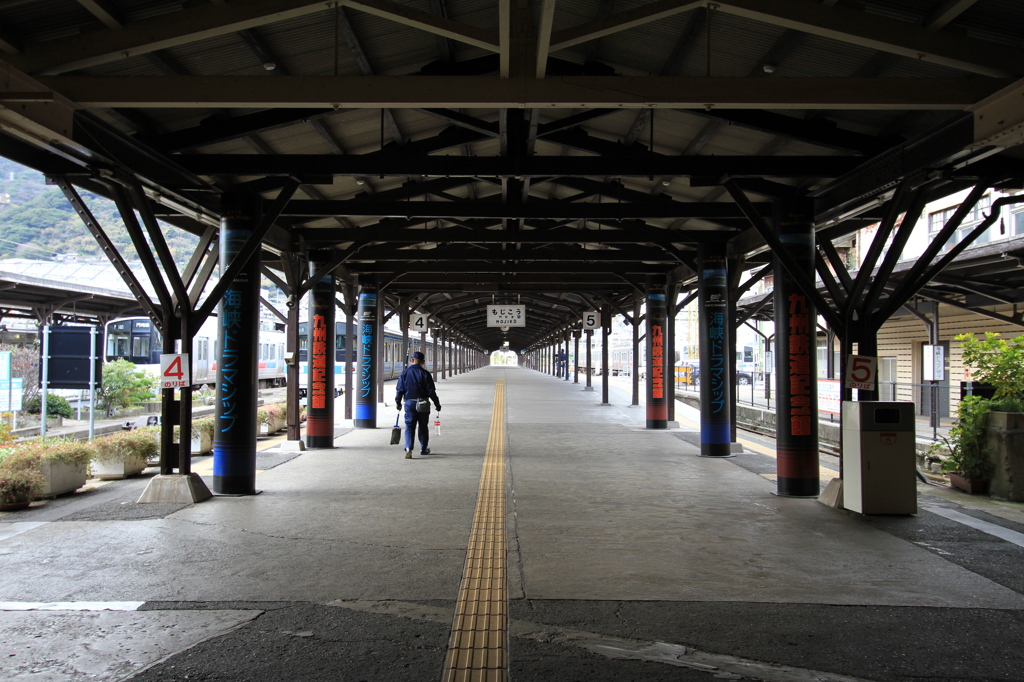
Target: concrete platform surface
(630,558)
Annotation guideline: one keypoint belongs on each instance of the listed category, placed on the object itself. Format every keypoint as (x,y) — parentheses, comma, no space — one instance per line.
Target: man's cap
(418,356)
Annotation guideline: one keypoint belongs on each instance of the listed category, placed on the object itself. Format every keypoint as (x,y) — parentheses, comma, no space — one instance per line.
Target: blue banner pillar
(366,355)
(320,388)
(657,316)
(796,354)
(715,383)
(234,439)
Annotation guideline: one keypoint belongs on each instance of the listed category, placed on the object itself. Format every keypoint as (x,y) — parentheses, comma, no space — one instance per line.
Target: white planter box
(113,470)
(274,426)
(60,478)
(201,443)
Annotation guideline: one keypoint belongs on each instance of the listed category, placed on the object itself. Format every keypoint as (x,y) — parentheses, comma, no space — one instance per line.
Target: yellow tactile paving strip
(478,648)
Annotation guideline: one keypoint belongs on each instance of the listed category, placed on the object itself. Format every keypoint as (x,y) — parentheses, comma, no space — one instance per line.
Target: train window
(117,343)
(273,355)
(339,342)
(140,346)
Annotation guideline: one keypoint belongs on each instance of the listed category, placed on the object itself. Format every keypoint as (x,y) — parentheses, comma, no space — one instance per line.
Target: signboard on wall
(419,323)
(174,370)
(506,316)
(829,396)
(934,362)
(861,372)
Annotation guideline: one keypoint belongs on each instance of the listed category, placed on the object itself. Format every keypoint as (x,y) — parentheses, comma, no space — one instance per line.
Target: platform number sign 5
(591,320)
(174,370)
(861,371)
(419,322)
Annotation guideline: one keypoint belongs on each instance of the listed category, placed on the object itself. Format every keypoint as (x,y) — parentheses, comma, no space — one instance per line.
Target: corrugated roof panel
(45,20)
(393,48)
(998,20)
(643,49)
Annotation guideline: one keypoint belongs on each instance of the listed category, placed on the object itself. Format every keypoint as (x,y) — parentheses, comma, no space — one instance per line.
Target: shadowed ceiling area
(553,153)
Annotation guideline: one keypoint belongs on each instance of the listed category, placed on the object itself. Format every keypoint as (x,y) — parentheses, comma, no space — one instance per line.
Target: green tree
(56,406)
(123,386)
(999,362)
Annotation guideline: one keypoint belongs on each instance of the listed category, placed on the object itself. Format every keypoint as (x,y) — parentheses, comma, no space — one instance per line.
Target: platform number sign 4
(419,323)
(591,319)
(174,370)
(861,371)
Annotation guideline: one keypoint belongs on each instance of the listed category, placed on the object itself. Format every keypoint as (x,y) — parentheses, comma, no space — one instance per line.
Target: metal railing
(757,389)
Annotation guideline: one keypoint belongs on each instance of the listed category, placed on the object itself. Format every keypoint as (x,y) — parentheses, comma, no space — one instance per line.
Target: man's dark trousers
(412,418)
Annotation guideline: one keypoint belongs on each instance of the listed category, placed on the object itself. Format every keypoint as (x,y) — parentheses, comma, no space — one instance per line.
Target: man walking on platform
(416,386)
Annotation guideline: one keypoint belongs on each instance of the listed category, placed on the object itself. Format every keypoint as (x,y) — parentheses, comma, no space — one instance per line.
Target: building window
(938,219)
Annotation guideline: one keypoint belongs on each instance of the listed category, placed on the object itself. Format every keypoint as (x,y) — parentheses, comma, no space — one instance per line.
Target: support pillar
(366,369)
(796,355)
(589,369)
(670,353)
(350,345)
(565,345)
(715,393)
(576,357)
(234,441)
(657,409)
(635,369)
(606,328)
(322,330)
(292,352)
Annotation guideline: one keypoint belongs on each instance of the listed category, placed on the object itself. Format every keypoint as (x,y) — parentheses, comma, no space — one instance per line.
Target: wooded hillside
(36,221)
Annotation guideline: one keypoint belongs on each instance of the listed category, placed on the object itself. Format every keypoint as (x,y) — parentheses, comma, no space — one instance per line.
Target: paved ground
(630,559)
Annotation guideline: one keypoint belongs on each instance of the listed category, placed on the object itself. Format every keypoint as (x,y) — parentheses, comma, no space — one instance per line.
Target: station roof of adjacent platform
(46,300)
(430,149)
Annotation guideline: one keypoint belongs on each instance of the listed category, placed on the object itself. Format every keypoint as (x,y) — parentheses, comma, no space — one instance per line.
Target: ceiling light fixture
(768,68)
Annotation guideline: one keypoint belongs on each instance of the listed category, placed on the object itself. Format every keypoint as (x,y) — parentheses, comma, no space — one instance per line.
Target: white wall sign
(506,316)
(5,365)
(174,370)
(861,372)
(10,394)
(934,363)
(591,319)
(419,322)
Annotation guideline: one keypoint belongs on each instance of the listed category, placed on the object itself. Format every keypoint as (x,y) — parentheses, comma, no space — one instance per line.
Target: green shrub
(56,406)
(965,447)
(126,445)
(123,386)
(20,476)
(200,426)
(75,453)
(267,413)
(998,362)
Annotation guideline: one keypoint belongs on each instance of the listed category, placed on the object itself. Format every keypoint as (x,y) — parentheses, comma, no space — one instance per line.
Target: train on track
(137,340)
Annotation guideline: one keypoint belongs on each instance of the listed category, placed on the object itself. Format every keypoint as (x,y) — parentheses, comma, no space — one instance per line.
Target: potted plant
(201,435)
(64,465)
(123,454)
(986,443)
(21,481)
(966,462)
(270,418)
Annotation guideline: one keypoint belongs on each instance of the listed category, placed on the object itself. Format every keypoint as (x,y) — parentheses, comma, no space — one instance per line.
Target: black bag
(422,405)
(396,433)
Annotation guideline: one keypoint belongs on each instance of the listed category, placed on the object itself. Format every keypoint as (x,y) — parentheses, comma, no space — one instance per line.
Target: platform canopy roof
(554,153)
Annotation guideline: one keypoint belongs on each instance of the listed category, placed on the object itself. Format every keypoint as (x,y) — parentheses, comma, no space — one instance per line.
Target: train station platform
(607,551)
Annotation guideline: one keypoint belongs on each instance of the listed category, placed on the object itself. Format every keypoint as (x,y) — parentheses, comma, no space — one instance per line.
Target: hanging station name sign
(506,316)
